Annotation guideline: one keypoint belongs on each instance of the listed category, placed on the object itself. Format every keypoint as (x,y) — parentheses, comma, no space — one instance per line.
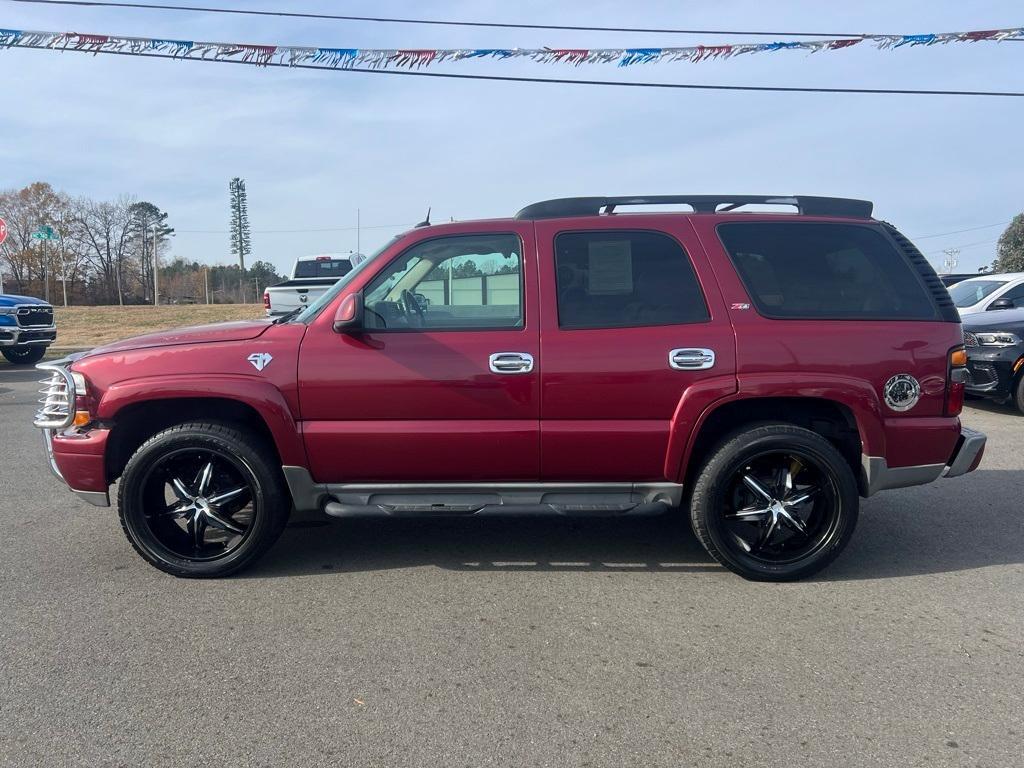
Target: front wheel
(202,500)
(775,503)
(24,355)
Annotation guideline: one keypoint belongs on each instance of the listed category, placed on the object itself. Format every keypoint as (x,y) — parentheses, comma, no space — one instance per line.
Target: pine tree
(240,238)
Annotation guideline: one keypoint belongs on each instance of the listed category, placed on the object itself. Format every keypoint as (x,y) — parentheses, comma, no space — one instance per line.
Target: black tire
(1018,393)
(24,355)
(245,525)
(802,536)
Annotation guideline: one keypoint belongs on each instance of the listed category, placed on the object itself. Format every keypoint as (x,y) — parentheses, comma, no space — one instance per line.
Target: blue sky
(315,146)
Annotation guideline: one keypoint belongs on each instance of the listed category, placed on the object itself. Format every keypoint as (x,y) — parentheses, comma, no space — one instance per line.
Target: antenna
(425,222)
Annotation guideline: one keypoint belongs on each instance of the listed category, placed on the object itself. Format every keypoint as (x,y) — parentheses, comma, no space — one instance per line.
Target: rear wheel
(775,503)
(1018,393)
(202,500)
(24,355)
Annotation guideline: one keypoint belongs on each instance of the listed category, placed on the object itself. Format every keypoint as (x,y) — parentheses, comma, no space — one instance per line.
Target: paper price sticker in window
(609,267)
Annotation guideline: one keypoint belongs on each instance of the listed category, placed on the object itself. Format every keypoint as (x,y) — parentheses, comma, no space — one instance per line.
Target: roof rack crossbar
(593,206)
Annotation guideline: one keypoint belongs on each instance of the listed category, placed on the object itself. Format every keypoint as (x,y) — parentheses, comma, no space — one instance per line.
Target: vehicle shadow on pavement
(314,545)
(939,528)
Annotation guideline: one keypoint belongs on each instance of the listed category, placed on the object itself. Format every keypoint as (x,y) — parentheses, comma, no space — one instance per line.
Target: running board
(481,499)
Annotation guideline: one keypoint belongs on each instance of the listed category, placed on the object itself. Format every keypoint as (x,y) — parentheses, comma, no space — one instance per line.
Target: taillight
(955,381)
(266,299)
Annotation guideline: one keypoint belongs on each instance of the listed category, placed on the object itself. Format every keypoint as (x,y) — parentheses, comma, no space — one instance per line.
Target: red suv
(759,370)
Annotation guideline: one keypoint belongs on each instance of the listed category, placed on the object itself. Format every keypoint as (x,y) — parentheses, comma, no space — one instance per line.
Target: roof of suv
(592,206)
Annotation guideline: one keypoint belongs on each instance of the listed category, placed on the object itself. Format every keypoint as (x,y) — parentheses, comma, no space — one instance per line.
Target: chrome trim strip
(96,498)
(972,443)
(48,445)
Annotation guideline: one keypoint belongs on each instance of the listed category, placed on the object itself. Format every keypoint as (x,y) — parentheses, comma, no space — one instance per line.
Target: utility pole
(951,261)
(358,232)
(206,282)
(156,271)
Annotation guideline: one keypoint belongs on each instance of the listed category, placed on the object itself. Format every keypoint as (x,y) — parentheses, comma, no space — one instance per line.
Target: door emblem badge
(902,392)
(260,360)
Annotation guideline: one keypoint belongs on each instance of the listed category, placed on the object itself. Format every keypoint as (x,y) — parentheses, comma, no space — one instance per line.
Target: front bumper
(83,463)
(15,335)
(991,371)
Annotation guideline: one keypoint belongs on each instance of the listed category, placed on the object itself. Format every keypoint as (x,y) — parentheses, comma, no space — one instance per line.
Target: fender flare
(262,396)
(695,407)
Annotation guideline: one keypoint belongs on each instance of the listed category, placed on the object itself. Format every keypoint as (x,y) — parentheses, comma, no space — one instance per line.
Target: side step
(468,499)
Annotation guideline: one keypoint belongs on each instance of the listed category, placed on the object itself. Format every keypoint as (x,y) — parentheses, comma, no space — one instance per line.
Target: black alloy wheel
(775,502)
(201,500)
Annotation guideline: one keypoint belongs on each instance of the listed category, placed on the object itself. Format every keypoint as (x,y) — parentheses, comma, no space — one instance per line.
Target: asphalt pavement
(512,642)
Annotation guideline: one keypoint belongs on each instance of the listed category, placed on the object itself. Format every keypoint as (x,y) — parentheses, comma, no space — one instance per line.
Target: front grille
(57,401)
(34,317)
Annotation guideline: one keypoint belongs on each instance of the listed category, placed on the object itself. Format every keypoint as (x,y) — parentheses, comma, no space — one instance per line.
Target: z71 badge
(902,392)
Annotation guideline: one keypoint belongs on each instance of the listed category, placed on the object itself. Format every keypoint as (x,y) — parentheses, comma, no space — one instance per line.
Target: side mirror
(349,317)
(1001,304)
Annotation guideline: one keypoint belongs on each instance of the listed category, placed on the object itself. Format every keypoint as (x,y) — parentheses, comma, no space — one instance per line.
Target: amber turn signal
(81,418)
(958,357)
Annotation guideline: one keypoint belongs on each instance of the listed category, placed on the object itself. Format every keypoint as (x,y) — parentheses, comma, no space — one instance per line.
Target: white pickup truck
(311,276)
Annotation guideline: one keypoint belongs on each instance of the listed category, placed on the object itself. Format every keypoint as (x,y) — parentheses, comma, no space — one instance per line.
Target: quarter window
(467,282)
(812,270)
(623,279)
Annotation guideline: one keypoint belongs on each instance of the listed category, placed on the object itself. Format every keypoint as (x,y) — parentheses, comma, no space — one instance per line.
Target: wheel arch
(834,419)
(138,410)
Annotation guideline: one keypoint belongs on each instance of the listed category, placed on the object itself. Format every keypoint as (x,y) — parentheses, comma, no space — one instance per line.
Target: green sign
(45,233)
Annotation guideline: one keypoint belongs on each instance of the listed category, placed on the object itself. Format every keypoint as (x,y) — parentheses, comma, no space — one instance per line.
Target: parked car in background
(951,279)
(27,328)
(995,356)
(311,276)
(987,292)
(755,372)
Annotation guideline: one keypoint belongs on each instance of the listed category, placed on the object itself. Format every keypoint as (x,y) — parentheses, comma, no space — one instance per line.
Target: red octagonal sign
(3,231)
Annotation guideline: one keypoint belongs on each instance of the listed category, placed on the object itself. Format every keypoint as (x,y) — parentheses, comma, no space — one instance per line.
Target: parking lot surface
(512,642)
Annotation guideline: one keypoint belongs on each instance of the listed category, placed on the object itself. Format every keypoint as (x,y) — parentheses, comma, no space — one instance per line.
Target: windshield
(322,267)
(327,297)
(970,292)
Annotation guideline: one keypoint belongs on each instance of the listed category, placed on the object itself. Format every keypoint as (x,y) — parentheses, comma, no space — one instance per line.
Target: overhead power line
(553,80)
(433,22)
(958,231)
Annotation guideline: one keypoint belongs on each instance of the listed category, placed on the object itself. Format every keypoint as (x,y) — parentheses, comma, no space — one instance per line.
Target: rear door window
(623,279)
(323,268)
(818,270)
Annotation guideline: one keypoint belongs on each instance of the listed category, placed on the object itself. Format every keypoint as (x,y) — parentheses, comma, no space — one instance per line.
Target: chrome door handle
(691,359)
(511,362)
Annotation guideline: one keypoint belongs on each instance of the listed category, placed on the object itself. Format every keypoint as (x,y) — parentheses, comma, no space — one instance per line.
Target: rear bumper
(77,460)
(967,454)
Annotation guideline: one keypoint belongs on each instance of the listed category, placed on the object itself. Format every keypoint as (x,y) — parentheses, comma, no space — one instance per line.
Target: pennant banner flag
(382,58)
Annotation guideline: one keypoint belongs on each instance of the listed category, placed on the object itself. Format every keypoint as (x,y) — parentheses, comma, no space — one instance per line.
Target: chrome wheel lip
(784,513)
(199,511)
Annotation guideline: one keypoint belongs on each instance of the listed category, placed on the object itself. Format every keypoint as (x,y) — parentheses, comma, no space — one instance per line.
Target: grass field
(86,327)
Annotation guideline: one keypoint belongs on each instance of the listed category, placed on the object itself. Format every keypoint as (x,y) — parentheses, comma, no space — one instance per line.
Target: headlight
(8,310)
(970,340)
(997,339)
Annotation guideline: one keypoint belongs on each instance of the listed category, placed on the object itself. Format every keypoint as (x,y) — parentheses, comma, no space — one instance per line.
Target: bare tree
(105,228)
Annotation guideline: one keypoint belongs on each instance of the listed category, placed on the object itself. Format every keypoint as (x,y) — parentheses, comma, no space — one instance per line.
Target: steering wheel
(414,314)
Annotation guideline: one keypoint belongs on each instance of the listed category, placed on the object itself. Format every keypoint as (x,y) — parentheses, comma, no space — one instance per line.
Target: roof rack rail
(592,206)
